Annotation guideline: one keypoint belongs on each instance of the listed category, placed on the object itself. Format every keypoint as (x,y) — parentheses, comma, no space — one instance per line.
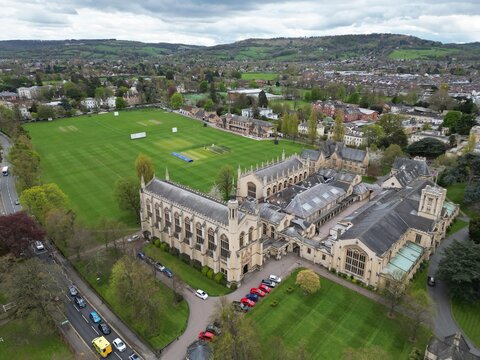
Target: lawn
(259,76)
(23,339)
(369,179)
(173,319)
(418,283)
(86,155)
(332,320)
(455,193)
(187,273)
(468,317)
(457,225)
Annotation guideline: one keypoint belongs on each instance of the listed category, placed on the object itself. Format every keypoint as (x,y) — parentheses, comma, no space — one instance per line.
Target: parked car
(133,238)
(104,328)
(95,317)
(17,202)
(269,283)
(212,328)
(201,294)
(264,288)
(141,255)
(431,281)
(159,266)
(247,302)
(168,272)
(72,289)
(81,303)
(253,297)
(133,356)
(257,291)
(205,335)
(119,345)
(39,245)
(275,278)
(244,307)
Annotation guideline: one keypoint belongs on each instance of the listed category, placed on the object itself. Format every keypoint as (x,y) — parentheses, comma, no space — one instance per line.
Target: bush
(210,273)
(174,251)
(371,287)
(205,270)
(197,264)
(233,286)
(274,303)
(157,243)
(165,247)
(185,258)
(290,289)
(218,277)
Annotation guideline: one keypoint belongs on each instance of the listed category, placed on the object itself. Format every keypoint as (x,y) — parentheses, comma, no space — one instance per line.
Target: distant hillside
(381,46)
(86,49)
(339,47)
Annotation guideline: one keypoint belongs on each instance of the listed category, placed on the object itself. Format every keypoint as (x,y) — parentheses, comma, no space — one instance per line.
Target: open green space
(419,283)
(332,320)
(456,193)
(173,319)
(369,179)
(187,273)
(259,76)
(468,317)
(24,339)
(86,155)
(414,54)
(458,224)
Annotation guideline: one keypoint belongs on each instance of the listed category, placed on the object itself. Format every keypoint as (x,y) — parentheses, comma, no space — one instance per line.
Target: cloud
(216,21)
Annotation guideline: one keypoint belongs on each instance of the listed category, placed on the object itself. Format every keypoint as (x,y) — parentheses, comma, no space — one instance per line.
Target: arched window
(199,230)
(188,228)
(224,247)
(264,229)
(158,219)
(290,181)
(251,190)
(272,231)
(295,181)
(274,189)
(178,228)
(250,234)
(300,177)
(355,262)
(285,184)
(211,240)
(168,219)
(242,239)
(305,175)
(280,187)
(268,191)
(149,208)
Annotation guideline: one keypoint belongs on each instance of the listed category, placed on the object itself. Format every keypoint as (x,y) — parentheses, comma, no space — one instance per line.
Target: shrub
(210,273)
(233,286)
(165,247)
(218,277)
(174,251)
(157,243)
(274,303)
(205,270)
(290,289)
(371,287)
(185,258)
(197,264)
(355,281)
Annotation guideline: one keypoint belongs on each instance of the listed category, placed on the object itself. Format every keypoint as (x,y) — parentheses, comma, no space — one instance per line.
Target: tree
(428,147)
(416,354)
(470,144)
(460,269)
(209,105)
(450,120)
(60,225)
(176,101)
(419,305)
(126,193)
(312,127)
(466,122)
(213,92)
(285,124)
(203,87)
(17,232)
(394,290)
(294,126)
(308,281)
(440,100)
(390,123)
(25,163)
(144,167)
(373,133)
(339,127)
(474,229)
(45,112)
(262,99)
(120,103)
(389,155)
(239,338)
(38,200)
(110,230)
(215,192)
(225,181)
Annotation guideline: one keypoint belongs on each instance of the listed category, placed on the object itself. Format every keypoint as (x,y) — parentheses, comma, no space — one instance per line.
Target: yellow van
(102,346)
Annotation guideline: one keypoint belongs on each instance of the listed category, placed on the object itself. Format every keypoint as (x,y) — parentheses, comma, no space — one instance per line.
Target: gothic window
(168,219)
(285,184)
(211,240)
(158,219)
(268,191)
(280,187)
(355,262)
(274,189)
(300,177)
(242,239)
(250,234)
(295,180)
(178,229)
(188,228)
(305,175)
(272,232)
(224,247)
(199,233)
(418,238)
(149,209)
(264,229)
(251,190)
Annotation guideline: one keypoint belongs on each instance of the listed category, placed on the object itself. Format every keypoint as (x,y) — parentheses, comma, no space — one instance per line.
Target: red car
(206,335)
(257,291)
(247,302)
(264,288)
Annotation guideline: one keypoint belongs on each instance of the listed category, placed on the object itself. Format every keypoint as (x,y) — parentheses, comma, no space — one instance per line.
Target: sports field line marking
(109,127)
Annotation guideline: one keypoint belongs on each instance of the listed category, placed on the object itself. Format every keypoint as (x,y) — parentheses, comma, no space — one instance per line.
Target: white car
(119,345)
(39,246)
(133,238)
(201,294)
(275,278)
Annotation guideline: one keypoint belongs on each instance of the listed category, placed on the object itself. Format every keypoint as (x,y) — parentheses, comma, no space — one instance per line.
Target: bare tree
(394,290)
(419,305)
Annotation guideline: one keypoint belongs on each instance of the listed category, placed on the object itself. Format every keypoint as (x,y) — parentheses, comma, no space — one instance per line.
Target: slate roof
(199,350)
(313,154)
(447,350)
(192,200)
(337,175)
(329,147)
(418,167)
(271,213)
(271,171)
(312,200)
(382,222)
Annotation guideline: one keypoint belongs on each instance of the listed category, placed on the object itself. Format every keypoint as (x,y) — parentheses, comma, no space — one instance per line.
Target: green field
(332,320)
(468,317)
(173,319)
(414,54)
(259,76)
(23,339)
(86,155)
(187,273)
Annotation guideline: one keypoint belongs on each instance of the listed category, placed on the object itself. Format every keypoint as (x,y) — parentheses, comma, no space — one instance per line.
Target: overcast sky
(211,22)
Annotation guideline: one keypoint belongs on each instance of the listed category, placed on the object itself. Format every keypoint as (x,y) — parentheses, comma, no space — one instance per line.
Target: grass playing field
(86,155)
(259,76)
(332,320)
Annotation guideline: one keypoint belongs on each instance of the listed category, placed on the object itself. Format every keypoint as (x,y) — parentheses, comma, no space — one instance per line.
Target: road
(444,322)
(8,195)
